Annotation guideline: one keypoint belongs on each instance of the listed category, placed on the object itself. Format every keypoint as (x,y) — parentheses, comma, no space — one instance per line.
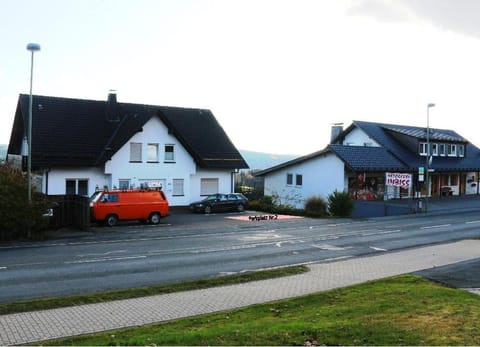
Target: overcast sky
(276,74)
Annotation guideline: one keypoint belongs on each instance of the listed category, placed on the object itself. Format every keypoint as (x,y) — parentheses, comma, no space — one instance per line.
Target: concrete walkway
(33,327)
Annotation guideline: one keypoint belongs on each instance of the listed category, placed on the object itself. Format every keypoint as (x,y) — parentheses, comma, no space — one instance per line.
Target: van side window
(110,198)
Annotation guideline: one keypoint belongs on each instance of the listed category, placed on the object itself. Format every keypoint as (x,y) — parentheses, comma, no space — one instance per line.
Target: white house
(360,158)
(79,146)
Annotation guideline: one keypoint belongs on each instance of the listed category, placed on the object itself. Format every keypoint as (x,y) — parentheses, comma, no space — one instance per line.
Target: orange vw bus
(110,206)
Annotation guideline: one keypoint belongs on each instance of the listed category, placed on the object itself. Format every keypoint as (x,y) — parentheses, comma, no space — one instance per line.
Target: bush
(18,218)
(340,204)
(315,206)
(266,204)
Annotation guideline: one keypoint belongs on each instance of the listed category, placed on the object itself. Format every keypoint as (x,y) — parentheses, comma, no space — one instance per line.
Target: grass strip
(49,303)
(402,310)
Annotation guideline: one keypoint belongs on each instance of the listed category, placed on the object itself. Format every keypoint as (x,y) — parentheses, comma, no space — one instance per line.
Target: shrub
(315,206)
(18,218)
(340,204)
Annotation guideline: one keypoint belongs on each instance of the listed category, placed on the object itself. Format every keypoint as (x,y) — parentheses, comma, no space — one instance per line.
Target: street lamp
(32,47)
(428,158)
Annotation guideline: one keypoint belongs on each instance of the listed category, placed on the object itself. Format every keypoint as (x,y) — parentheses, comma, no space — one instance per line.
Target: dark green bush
(18,218)
(340,204)
(266,204)
(315,206)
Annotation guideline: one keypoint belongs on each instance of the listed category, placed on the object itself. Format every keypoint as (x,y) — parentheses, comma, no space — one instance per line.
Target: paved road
(189,246)
(32,327)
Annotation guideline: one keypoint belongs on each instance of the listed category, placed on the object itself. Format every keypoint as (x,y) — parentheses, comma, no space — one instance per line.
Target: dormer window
(442,151)
(434,149)
(452,150)
(422,148)
(461,151)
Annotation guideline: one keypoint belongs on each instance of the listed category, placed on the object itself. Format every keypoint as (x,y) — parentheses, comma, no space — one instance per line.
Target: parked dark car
(220,203)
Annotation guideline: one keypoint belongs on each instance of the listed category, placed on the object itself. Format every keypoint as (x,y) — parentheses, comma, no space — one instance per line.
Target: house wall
(321,176)
(224,182)
(160,172)
(55,179)
(358,137)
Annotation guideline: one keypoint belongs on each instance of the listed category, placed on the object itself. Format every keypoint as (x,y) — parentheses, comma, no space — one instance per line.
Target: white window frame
(422,148)
(152,153)
(169,158)
(124,183)
(178,187)
(209,186)
(442,150)
(434,149)
(289,179)
(297,177)
(135,152)
(461,151)
(452,150)
(77,185)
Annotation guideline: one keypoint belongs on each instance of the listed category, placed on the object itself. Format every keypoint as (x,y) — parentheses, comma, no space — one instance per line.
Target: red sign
(395,179)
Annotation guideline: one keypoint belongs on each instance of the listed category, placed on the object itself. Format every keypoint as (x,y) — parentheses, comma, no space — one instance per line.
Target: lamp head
(33,47)
(430,105)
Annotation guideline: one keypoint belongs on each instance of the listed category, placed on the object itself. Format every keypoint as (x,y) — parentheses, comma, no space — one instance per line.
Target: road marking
(378,232)
(3,267)
(436,226)
(473,222)
(106,253)
(104,259)
(330,247)
(378,249)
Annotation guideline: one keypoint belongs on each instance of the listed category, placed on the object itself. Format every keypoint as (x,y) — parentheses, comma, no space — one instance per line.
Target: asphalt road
(185,247)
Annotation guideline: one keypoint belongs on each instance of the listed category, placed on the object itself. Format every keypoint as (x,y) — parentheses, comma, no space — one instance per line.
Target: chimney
(111,110)
(337,129)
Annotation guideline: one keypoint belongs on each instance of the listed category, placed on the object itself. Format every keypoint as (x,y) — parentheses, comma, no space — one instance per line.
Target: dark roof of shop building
(392,155)
(78,133)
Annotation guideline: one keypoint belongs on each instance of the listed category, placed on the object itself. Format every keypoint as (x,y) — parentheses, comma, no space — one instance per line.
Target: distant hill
(260,161)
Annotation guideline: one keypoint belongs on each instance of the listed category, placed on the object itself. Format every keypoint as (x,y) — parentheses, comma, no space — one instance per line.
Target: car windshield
(95,196)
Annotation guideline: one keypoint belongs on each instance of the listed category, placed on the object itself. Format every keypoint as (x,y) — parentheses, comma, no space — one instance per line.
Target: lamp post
(32,47)
(427,161)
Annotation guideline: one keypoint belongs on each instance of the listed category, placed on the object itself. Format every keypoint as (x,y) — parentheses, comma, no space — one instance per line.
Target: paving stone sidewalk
(31,327)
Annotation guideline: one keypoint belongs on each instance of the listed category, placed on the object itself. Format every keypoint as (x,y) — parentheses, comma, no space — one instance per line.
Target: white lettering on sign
(395,179)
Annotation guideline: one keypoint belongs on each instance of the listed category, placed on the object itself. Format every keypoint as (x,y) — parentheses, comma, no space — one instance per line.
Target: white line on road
(473,222)
(382,232)
(378,249)
(104,259)
(436,226)
(3,267)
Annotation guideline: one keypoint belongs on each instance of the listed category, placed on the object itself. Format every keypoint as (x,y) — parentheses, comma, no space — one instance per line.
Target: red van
(110,206)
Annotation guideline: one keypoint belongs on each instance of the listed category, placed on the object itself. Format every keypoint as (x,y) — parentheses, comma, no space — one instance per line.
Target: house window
(124,184)
(178,187)
(452,150)
(169,153)
(208,186)
(289,179)
(442,151)
(435,149)
(461,151)
(298,180)
(76,187)
(135,152)
(422,148)
(152,153)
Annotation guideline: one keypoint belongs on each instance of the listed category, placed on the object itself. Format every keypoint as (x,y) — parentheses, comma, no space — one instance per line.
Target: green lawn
(403,310)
